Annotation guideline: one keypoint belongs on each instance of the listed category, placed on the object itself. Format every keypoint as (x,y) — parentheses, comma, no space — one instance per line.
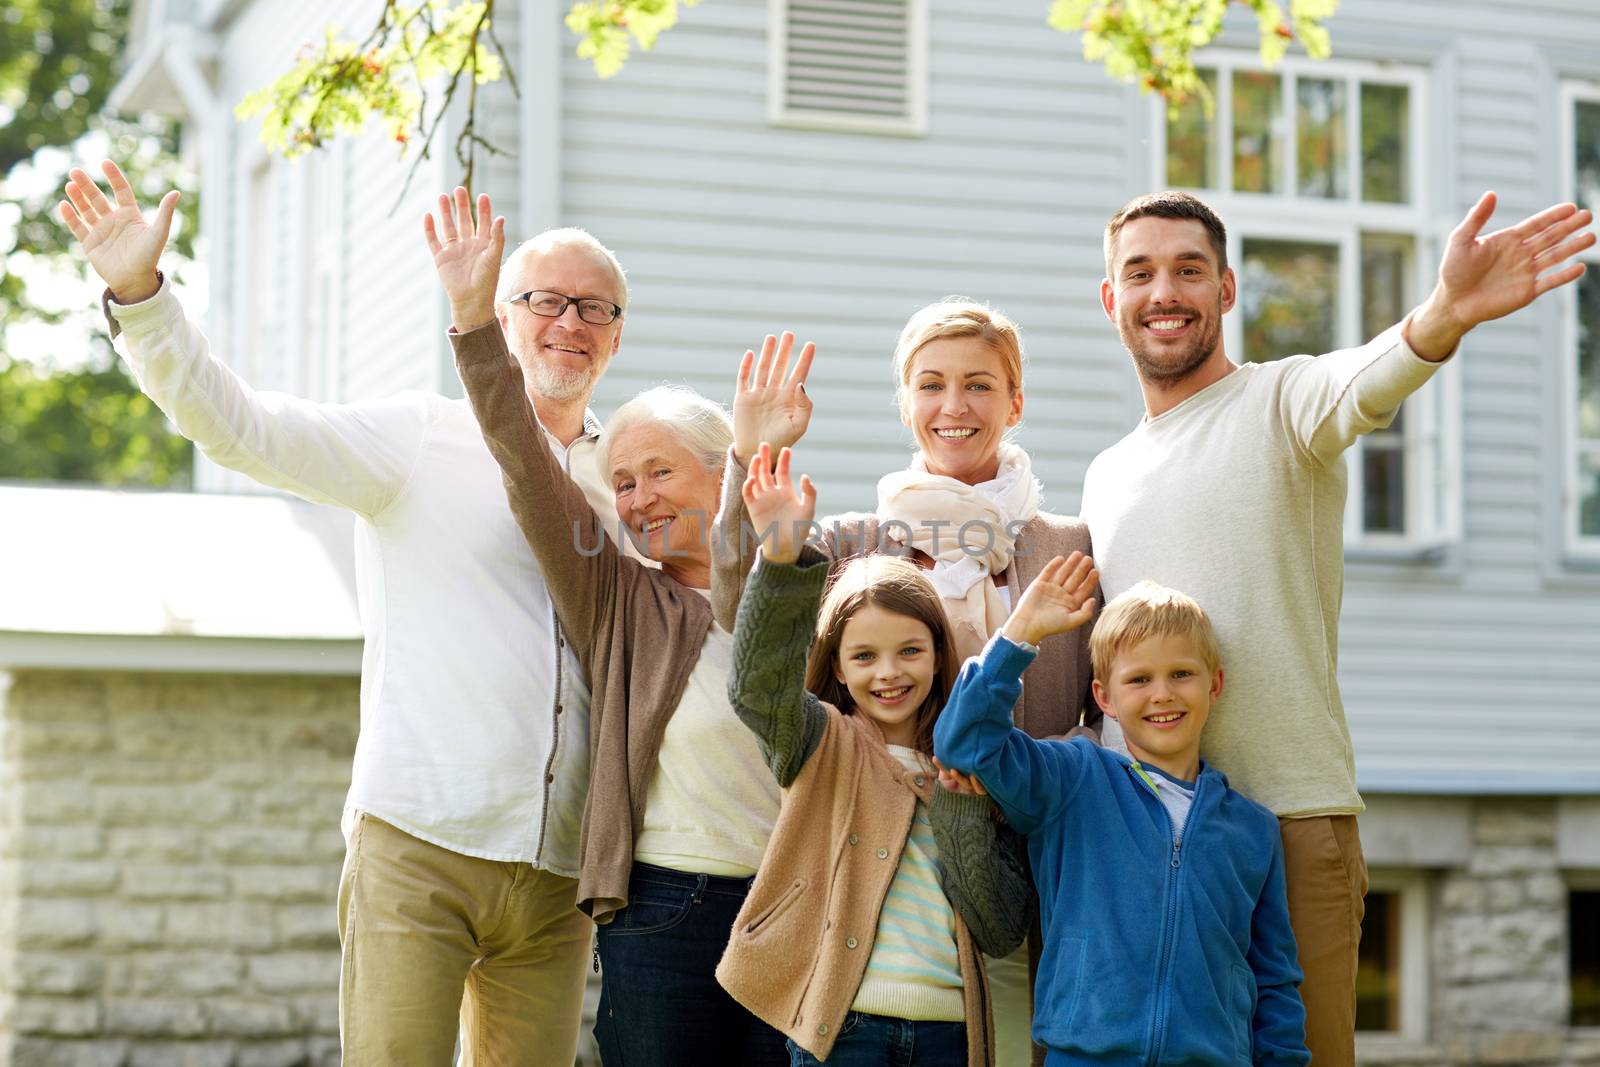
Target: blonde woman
(967,508)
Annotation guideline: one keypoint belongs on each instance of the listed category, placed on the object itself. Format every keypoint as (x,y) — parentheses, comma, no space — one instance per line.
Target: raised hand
(1059,600)
(1483,277)
(781,517)
(466,253)
(122,247)
(768,405)
(957,782)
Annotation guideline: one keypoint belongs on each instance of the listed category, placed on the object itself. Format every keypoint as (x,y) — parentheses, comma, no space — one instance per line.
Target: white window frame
(1411,886)
(779,113)
(1577,545)
(1433,424)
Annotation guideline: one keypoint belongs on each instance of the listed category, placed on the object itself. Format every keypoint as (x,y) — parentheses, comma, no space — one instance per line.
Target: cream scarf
(936,508)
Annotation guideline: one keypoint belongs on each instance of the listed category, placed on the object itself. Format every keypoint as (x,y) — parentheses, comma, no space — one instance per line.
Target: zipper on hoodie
(1169,923)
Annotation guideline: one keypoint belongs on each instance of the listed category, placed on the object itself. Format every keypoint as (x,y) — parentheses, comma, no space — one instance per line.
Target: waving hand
(770,403)
(122,247)
(466,253)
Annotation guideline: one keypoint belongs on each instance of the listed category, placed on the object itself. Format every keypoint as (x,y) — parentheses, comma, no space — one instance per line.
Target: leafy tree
(91,425)
(57,65)
(1152,41)
(336,87)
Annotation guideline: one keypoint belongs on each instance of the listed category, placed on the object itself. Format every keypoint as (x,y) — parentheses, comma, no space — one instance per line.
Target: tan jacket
(636,631)
(800,945)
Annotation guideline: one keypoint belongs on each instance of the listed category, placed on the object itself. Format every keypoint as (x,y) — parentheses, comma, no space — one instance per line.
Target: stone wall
(170,854)
(169,860)
(1497,945)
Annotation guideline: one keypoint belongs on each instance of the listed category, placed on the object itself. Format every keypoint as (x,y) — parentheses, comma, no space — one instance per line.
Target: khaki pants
(430,935)
(1327,881)
(1011,1003)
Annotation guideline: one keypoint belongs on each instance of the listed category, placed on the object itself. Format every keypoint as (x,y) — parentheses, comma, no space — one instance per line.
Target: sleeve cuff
(155,309)
(484,345)
(1006,657)
(961,807)
(802,577)
(1410,354)
(736,466)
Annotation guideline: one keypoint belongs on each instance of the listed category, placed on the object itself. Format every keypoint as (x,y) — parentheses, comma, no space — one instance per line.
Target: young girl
(847,942)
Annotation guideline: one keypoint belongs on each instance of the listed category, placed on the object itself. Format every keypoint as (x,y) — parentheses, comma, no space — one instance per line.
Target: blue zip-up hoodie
(1154,952)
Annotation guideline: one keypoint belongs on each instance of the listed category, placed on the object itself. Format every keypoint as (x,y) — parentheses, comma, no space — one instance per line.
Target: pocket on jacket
(777,908)
(1242,1006)
(1068,963)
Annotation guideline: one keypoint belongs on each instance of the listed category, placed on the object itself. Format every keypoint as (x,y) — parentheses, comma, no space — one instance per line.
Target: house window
(1583,955)
(1378,970)
(1392,967)
(853,65)
(1583,350)
(1316,171)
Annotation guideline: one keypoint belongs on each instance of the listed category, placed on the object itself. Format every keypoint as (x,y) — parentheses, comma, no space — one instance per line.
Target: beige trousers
(431,937)
(1011,1001)
(1327,882)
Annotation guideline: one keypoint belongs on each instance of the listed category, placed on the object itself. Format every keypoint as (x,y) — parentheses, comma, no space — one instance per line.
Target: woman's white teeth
(891,694)
(955,435)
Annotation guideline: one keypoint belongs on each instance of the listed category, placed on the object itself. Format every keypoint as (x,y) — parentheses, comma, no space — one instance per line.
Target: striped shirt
(914,972)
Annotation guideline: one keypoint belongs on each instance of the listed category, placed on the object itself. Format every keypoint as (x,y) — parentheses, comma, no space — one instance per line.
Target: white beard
(560,384)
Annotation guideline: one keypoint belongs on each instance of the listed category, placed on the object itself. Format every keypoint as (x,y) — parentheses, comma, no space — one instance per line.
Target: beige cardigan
(801,942)
(800,945)
(636,631)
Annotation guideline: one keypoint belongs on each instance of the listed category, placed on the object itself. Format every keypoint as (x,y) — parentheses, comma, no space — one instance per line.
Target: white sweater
(1236,497)
(474,716)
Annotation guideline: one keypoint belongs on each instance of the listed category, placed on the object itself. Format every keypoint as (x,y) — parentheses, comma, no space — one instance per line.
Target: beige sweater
(637,632)
(1237,497)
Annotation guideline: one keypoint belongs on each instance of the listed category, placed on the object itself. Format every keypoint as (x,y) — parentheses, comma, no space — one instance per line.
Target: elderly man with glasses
(462,821)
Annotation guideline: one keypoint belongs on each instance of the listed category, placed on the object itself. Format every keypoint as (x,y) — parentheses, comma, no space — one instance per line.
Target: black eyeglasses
(591,309)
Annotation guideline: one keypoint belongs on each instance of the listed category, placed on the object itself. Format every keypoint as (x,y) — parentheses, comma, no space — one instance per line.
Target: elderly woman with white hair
(967,508)
(680,800)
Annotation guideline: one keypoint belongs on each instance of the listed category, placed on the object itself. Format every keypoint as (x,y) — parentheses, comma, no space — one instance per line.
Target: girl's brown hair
(893,584)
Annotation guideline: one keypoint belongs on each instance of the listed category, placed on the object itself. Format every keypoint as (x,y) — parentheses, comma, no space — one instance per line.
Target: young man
(472,764)
(1233,488)
(1161,889)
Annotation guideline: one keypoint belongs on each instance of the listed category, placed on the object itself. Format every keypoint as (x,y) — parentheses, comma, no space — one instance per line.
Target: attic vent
(850,65)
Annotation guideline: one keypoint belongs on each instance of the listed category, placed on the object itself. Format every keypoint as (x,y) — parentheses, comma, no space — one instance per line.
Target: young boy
(1166,929)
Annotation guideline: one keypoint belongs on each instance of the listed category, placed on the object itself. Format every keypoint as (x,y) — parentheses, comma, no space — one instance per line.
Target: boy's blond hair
(1149,610)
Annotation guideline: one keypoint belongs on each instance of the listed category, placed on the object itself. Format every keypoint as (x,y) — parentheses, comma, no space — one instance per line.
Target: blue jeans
(879,1041)
(660,1004)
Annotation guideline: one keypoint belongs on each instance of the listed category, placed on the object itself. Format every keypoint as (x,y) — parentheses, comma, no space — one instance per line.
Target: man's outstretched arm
(354,456)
